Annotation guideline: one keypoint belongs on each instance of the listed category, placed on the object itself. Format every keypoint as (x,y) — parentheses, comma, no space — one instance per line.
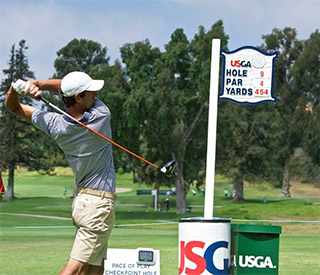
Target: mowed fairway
(45,251)
(41,244)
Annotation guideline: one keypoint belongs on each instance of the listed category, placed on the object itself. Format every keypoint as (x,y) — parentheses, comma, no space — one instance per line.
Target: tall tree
(80,55)
(306,73)
(167,106)
(19,139)
(247,143)
(139,59)
(290,98)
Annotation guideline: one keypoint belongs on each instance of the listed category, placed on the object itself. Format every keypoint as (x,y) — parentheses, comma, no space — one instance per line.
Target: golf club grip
(95,132)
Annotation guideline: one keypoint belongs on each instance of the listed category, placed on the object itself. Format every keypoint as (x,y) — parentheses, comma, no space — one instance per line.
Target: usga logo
(253,261)
(240,63)
(204,261)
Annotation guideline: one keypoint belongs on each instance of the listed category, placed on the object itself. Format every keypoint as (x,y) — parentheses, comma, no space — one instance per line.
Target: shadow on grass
(259,201)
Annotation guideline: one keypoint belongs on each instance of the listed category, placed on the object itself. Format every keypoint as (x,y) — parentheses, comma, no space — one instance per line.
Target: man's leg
(96,270)
(74,267)
(89,214)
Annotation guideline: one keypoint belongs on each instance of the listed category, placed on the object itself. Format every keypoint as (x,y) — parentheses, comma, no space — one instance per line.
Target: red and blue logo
(204,262)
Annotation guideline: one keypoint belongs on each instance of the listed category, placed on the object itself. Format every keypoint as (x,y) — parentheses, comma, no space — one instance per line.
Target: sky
(47,26)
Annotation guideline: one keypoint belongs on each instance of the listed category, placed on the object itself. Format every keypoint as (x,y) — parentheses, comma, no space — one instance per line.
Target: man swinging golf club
(89,156)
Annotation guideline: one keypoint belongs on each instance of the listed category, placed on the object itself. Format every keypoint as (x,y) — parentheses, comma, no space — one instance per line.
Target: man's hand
(27,87)
(19,86)
(33,90)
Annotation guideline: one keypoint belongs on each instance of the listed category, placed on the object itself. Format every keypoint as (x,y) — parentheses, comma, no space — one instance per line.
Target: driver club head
(169,167)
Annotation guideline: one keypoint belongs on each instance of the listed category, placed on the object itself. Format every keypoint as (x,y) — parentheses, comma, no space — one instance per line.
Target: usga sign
(204,246)
(252,261)
(255,249)
(248,75)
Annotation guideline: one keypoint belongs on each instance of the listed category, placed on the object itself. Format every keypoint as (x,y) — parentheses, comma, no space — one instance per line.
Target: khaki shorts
(94,217)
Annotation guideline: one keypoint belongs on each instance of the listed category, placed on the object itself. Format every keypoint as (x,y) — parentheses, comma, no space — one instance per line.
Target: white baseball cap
(77,82)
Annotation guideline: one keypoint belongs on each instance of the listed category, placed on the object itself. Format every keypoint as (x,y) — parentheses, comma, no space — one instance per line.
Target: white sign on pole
(141,261)
(155,194)
(247,79)
(248,75)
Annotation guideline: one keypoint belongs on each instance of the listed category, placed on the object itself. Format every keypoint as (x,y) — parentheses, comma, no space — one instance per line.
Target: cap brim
(96,85)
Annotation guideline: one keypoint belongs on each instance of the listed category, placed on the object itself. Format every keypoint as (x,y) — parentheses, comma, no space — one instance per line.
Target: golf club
(167,169)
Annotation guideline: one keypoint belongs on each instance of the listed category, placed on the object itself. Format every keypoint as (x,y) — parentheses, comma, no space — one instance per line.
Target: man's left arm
(25,111)
(13,105)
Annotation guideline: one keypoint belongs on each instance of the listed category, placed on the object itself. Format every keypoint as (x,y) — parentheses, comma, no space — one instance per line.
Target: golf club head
(169,167)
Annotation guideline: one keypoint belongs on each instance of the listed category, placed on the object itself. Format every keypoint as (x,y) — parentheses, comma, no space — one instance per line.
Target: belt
(99,193)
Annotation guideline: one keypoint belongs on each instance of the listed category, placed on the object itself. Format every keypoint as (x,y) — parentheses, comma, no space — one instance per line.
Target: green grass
(299,254)
(25,250)
(45,251)
(30,251)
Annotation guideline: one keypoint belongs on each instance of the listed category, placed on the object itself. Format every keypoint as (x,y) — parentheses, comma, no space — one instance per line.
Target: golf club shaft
(94,131)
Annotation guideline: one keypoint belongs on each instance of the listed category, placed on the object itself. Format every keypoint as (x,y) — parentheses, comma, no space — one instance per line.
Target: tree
(291,99)
(247,143)
(79,55)
(139,59)
(20,144)
(167,106)
(306,73)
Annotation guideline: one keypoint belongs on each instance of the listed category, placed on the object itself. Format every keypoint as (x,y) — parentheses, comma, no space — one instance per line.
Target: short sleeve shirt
(89,156)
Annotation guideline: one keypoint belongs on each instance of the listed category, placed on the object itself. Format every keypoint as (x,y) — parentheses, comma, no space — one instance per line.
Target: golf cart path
(122,190)
(37,216)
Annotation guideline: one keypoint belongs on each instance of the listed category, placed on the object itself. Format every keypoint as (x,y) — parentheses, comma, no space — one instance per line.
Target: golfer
(89,156)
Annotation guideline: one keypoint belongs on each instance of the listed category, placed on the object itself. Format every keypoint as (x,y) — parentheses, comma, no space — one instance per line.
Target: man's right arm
(51,85)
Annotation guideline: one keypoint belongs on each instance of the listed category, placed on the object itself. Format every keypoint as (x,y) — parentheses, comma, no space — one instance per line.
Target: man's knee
(74,267)
(95,270)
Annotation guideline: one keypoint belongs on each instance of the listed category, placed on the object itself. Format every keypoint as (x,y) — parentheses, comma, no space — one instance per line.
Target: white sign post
(212,129)
(247,79)
(155,194)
